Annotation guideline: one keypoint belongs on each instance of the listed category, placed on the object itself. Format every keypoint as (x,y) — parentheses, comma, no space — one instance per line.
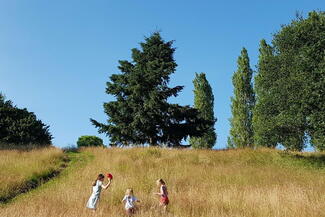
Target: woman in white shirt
(97,187)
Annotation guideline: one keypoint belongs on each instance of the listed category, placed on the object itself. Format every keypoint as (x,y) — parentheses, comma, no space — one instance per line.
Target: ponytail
(99,177)
(161,181)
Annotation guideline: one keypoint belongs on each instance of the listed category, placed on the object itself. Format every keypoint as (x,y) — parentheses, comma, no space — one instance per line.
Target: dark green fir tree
(141,113)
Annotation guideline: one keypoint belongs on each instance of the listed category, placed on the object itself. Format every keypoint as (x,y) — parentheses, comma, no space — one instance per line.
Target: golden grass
(19,167)
(201,183)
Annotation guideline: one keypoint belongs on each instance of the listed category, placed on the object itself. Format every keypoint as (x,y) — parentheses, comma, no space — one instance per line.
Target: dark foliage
(141,113)
(21,127)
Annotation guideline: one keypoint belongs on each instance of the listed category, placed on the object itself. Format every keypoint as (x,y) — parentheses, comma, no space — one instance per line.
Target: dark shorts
(130,211)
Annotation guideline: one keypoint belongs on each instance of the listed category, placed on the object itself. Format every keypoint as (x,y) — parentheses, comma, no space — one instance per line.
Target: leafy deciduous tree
(290,86)
(85,141)
(241,132)
(264,123)
(204,102)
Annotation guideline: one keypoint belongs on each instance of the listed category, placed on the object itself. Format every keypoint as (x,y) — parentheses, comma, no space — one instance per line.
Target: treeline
(282,104)
(19,127)
(286,103)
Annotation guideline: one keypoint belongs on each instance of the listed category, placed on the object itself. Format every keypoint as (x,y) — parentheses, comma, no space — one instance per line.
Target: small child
(129,200)
(163,193)
(97,187)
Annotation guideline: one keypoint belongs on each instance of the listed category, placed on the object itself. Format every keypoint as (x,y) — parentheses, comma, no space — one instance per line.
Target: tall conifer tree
(141,113)
(242,104)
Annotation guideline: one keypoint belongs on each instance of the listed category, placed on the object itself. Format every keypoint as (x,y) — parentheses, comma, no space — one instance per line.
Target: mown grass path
(70,161)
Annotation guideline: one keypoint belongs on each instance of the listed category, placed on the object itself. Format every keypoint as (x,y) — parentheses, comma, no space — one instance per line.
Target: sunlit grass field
(200,183)
(21,169)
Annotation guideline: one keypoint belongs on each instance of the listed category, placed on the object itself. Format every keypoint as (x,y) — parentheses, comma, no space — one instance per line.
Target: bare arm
(136,200)
(107,185)
(161,192)
(157,193)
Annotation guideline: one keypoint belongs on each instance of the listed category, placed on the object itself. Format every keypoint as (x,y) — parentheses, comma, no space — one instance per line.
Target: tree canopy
(21,127)
(85,141)
(141,113)
(290,86)
(204,102)
(242,104)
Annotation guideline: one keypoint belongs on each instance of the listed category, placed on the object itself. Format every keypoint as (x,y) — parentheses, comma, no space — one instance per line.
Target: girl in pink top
(163,193)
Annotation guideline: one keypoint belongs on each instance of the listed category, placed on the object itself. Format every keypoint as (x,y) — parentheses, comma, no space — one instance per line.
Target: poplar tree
(265,111)
(242,104)
(204,102)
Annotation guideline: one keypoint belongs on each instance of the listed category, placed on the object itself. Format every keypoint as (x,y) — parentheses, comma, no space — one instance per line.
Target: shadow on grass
(313,160)
(35,181)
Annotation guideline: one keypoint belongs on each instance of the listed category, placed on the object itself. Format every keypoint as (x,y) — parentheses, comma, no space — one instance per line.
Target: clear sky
(56,56)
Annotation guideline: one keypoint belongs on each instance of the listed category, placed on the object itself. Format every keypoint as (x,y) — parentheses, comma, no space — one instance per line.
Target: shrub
(85,141)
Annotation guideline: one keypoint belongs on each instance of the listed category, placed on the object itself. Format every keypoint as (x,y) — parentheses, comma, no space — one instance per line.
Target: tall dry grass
(201,183)
(18,168)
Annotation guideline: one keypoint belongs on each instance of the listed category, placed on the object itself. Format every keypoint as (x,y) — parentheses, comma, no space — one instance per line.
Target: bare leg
(165,208)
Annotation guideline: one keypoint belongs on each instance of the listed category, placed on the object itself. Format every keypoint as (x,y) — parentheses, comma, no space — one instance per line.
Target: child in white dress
(129,200)
(97,187)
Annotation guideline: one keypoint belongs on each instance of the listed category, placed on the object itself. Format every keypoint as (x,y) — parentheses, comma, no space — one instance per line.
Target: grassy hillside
(22,170)
(201,183)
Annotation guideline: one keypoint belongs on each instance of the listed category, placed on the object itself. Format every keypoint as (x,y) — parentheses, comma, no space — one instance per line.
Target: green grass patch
(22,171)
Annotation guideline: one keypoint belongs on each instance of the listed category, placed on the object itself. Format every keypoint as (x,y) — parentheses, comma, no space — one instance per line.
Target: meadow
(200,183)
(21,170)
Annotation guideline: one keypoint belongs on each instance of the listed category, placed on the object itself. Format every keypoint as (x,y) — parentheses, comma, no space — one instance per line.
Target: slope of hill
(23,170)
(201,183)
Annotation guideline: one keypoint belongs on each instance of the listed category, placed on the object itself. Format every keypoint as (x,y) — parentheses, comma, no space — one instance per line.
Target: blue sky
(56,56)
